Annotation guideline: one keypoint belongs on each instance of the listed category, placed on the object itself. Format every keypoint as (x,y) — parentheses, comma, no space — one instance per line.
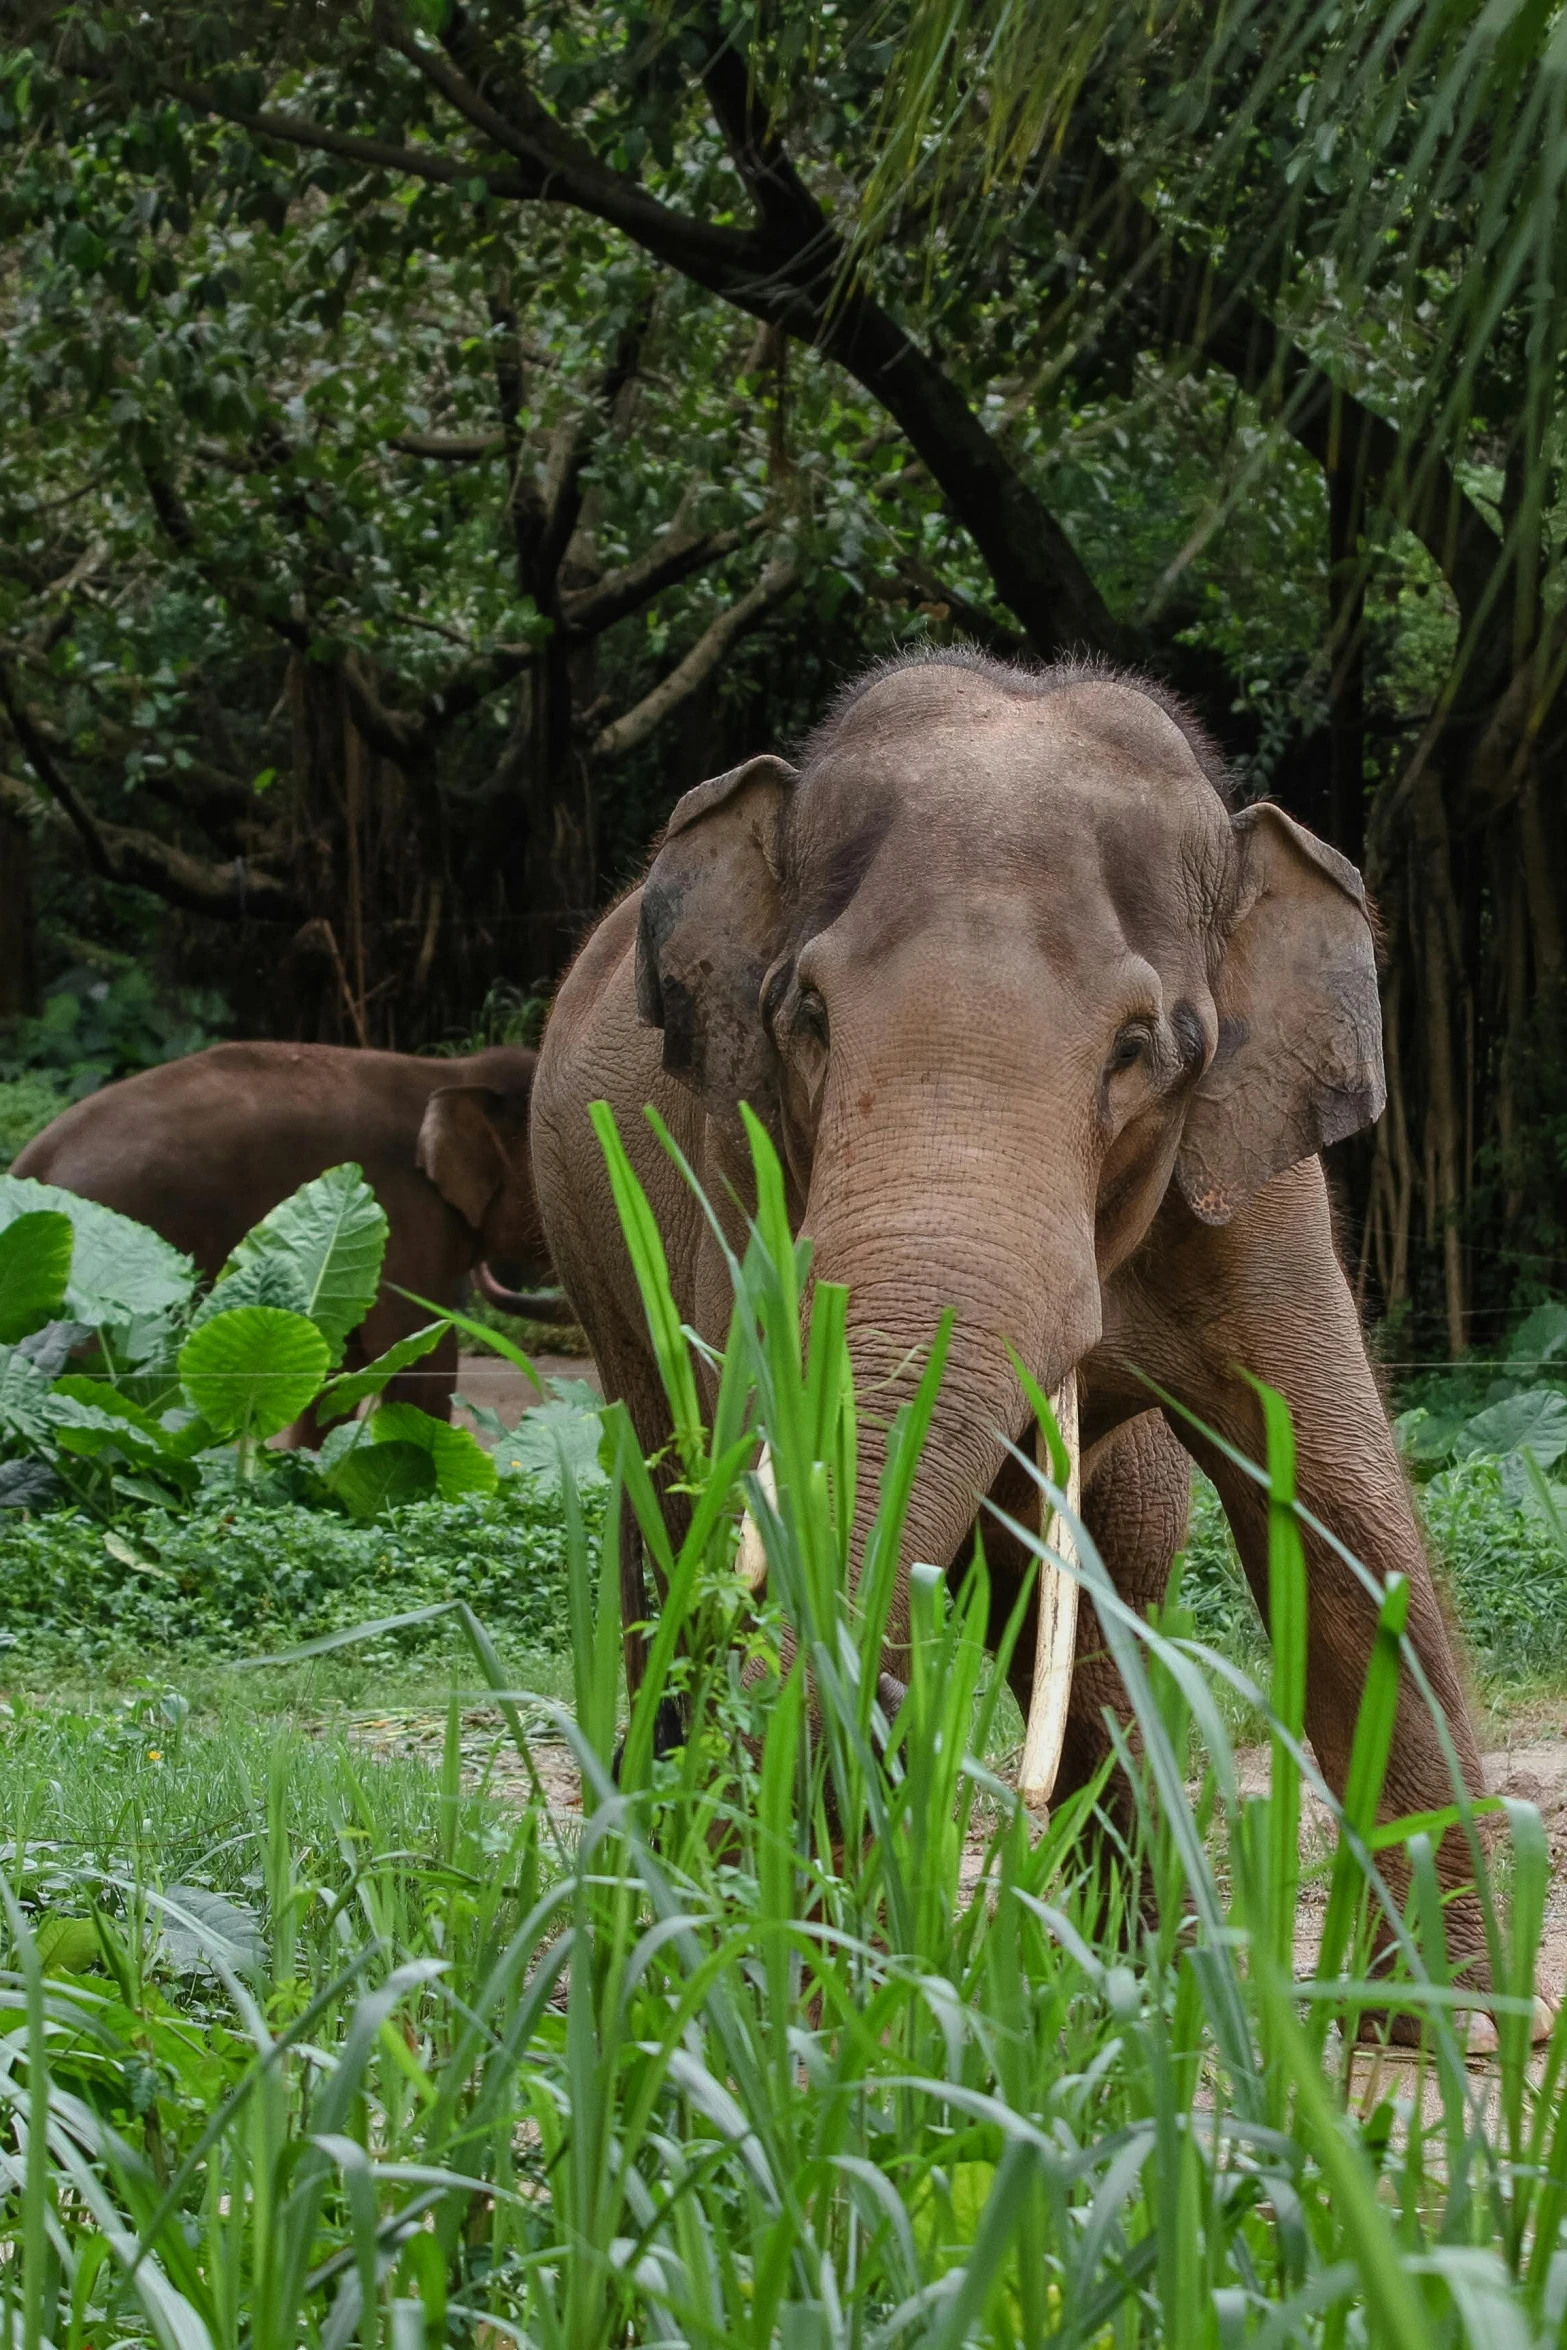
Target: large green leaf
(1537,1418)
(373,1476)
(250,1372)
(345,1394)
(568,1423)
(35,1266)
(26,1399)
(322,1246)
(119,1269)
(461,1463)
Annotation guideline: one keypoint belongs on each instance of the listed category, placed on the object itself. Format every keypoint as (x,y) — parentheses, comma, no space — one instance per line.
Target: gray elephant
(1046,1033)
(203,1148)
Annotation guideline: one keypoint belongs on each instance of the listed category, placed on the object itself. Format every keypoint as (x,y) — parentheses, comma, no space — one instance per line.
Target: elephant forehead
(1072,792)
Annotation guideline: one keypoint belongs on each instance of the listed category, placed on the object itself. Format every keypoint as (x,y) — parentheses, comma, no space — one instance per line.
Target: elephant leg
(1277,1306)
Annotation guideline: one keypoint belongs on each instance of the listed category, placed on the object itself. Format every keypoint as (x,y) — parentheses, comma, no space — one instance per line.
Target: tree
(1318,264)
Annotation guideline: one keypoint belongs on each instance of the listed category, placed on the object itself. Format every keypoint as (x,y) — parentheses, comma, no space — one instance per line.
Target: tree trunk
(1442,975)
(18,942)
(1346,472)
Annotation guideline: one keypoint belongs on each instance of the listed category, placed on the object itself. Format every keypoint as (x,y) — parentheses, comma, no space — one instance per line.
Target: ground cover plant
(804,2032)
(142,1513)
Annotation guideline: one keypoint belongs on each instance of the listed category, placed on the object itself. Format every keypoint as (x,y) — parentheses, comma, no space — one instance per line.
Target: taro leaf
(219,1928)
(103,1396)
(24,1485)
(118,1269)
(35,1265)
(462,1465)
(370,1477)
(52,1347)
(1427,1438)
(566,1423)
(93,1418)
(250,1372)
(332,1234)
(1537,1418)
(67,1945)
(486,1420)
(1542,1337)
(26,1398)
(267,1280)
(346,1393)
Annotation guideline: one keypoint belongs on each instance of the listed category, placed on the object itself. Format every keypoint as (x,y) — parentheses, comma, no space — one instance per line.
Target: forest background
(432,438)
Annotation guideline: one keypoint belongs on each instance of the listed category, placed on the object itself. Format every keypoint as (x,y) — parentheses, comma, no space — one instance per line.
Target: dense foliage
(434,438)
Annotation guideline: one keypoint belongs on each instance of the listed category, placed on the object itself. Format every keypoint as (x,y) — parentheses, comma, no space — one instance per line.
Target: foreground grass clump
(807,2035)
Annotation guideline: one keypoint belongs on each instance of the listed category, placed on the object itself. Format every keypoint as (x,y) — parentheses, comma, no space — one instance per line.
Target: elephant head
(473,1146)
(998,966)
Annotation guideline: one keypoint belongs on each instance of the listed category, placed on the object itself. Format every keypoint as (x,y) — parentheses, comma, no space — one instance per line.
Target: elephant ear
(463,1146)
(711,918)
(1299,1059)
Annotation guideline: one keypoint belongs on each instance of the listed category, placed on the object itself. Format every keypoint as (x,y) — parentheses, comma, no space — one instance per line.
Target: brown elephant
(202,1148)
(1046,1033)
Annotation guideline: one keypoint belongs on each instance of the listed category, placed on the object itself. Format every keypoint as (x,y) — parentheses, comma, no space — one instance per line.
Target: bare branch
(199,884)
(464,449)
(589,611)
(466,687)
(299,131)
(625,733)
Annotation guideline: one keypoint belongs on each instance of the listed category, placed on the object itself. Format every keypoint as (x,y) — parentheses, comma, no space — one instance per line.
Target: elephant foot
(1404,2029)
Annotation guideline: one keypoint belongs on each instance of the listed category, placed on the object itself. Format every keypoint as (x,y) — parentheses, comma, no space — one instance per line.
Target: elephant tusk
(1056,1644)
(751,1557)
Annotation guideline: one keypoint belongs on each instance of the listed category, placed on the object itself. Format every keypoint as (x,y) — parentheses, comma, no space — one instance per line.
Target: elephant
(1048,1031)
(202,1148)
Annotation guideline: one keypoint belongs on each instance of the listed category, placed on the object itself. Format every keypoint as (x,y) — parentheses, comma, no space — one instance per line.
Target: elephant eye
(1130,1047)
(811,1017)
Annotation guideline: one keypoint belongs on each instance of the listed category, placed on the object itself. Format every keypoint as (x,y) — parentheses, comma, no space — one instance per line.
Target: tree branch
(228,891)
(52,776)
(626,732)
(589,611)
(181,532)
(460,449)
(791,275)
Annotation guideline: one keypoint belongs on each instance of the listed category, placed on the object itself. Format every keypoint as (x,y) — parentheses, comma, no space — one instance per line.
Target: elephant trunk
(957,1194)
(551,1306)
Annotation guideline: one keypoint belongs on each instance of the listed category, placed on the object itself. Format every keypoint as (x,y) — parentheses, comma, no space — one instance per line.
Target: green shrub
(27,1104)
(236,1575)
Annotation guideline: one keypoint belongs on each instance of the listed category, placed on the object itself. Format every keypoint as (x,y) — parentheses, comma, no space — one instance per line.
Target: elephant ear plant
(121,1384)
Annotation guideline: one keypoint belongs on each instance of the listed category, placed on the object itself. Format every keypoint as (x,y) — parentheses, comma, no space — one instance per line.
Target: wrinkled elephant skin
(1047,1034)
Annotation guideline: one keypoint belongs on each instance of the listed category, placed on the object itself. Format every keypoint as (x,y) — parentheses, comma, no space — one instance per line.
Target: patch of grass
(1505,1575)
(237,1576)
(811,2036)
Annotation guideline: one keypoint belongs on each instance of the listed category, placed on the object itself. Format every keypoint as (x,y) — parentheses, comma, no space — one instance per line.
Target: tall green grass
(806,2034)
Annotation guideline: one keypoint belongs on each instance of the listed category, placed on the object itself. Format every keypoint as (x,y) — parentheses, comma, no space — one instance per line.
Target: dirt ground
(491,1380)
